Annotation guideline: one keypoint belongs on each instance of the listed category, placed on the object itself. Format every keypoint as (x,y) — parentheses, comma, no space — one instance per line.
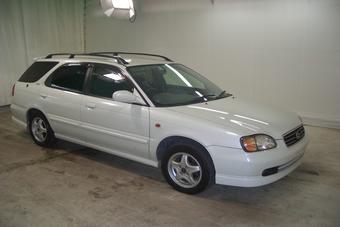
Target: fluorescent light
(123,9)
(122,4)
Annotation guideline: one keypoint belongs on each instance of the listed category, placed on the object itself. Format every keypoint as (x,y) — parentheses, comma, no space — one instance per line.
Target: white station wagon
(149,109)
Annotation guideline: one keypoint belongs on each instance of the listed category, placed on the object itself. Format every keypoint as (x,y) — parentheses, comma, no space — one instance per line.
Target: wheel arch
(31,111)
(167,142)
(50,137)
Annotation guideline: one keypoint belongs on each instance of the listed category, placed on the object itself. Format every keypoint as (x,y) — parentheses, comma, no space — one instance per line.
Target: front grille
(294,136)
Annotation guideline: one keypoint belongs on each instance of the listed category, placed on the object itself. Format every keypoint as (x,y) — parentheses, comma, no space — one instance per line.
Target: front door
(116,127)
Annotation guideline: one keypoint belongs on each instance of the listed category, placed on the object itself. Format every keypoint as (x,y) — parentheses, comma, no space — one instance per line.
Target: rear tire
(40,130)
(187,169)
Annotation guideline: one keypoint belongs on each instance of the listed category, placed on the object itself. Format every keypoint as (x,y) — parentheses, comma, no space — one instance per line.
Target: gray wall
(283,52)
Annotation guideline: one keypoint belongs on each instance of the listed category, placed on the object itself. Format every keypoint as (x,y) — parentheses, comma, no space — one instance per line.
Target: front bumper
(237,168)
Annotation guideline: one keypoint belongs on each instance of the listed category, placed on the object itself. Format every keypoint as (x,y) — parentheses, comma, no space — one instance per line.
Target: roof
(125,59)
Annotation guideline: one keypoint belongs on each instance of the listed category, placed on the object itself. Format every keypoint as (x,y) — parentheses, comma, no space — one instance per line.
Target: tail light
(13,90)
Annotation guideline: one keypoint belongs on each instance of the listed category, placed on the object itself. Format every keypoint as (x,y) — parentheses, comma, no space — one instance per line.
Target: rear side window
(69,77)
(36,71)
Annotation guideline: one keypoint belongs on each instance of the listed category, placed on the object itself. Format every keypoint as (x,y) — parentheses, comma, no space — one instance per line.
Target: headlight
(258,142)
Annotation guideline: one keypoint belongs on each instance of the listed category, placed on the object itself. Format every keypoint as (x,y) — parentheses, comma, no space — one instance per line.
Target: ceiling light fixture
(121,9)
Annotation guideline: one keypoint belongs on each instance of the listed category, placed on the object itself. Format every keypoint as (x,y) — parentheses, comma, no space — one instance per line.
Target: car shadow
(254,197)
(111,160)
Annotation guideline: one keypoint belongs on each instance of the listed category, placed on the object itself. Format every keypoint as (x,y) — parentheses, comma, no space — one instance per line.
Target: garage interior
(281,52)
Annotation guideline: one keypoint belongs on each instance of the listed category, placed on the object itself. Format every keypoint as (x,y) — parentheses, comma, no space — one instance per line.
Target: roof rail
(132,53)
(119,59)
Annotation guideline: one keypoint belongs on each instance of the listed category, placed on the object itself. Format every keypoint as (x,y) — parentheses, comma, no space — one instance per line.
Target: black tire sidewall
(199,156)
(50,134)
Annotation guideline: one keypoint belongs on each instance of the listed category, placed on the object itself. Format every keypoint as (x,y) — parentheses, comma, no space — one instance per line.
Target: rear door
(27,89)
(61,99)
(117,127)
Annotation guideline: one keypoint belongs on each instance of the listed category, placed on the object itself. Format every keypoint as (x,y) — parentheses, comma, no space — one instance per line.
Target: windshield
(174,84)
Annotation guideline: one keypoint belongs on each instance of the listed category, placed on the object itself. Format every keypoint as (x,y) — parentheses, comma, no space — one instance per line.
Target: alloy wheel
(39,129)
(184,170)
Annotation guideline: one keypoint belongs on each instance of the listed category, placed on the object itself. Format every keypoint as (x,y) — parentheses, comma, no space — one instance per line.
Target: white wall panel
(283,52)
(34,28)
(13,59)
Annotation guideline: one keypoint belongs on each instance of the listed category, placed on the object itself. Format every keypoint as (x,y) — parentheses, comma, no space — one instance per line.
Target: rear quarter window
(36,71)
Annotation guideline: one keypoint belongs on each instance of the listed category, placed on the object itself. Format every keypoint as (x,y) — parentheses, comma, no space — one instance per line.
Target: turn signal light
(257,142)
(249,144)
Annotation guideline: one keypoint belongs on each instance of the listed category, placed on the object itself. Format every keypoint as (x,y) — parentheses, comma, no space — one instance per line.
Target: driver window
(106,79)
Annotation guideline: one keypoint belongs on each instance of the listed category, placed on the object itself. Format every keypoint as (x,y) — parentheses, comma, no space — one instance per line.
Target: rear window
(36,71)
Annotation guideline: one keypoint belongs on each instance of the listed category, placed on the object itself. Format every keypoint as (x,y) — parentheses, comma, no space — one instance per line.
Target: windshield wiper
(208,97)
(223,94)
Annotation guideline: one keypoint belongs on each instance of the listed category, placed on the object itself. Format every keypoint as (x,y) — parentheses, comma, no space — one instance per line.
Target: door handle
(91,105)
(43,96)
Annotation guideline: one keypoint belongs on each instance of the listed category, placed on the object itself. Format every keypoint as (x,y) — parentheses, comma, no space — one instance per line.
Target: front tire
(187,170)
(40,130)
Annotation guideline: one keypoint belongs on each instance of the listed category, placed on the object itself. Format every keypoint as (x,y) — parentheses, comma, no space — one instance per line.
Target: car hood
(243,118)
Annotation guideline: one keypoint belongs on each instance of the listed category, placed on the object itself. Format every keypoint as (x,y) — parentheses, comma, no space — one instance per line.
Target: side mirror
(126,97)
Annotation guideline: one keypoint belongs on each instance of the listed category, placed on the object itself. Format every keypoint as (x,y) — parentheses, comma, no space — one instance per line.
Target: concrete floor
(77,186)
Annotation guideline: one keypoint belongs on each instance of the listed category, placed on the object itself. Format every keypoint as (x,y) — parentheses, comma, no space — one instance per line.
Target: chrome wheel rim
(184,170)
(39,129)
